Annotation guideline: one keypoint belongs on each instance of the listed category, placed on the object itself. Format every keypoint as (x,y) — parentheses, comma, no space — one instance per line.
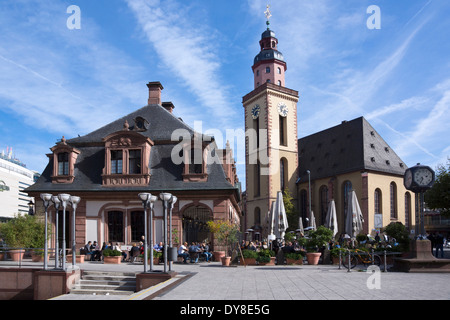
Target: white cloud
(186,50)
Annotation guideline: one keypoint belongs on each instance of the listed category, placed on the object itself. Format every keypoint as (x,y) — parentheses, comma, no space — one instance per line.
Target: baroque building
(316,169)
(149,150)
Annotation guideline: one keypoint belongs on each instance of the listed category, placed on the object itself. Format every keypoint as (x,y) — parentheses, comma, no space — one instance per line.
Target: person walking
(439,244)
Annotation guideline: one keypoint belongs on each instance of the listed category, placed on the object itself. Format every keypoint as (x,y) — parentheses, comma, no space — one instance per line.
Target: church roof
(351,146)
(165,175)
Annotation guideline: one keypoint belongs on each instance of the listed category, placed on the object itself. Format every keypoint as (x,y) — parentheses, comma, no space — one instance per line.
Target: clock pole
(419,179)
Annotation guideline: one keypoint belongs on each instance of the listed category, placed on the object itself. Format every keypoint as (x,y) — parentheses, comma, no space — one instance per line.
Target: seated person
(194,252)
(119,248)
(158,247)
(134,252)
(183,252)
(96,253)
(88,251)
(205,251)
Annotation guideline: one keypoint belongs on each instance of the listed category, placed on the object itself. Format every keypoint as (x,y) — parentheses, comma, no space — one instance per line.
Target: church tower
(271,134)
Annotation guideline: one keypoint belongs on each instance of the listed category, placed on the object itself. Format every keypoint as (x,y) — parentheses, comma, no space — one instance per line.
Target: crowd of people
(195,251)
(95,252)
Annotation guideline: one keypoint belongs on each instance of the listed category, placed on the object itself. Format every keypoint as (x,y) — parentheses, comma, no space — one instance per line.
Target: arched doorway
(194,224)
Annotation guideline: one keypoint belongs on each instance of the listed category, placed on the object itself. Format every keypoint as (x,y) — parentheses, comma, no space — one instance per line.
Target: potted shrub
(23,231)
(335,254)
(79,258)
(318,239)
(266,257)
(294,258)
(112,256)
(156,256)
(226,233)
(249,257)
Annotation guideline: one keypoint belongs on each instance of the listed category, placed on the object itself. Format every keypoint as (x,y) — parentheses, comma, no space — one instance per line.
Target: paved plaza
(211,281)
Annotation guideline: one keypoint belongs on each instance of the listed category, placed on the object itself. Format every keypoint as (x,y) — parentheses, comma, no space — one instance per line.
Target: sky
(67,73)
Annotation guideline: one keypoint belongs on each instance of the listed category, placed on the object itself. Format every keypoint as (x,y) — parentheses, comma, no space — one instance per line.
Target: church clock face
(255,111)
(423,177)
(283,109)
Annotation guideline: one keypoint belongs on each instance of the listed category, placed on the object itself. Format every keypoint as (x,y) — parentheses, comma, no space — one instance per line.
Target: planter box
(248,262)
(16,255)
(218,255)
(38,257)
(313,257)
(270,263)
(294,261)
(112,259)
(225,261)
(78,258)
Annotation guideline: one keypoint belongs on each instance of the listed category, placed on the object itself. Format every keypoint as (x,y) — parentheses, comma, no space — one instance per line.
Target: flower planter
(294,261)
(218,255)
(35,257)
(313,257)
(248,261)
(16,255)
(225,261)
(112,260)
(269,263)
(78,258)
(335,260)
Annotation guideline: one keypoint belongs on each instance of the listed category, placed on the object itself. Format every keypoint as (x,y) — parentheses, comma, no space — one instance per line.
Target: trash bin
(172,254)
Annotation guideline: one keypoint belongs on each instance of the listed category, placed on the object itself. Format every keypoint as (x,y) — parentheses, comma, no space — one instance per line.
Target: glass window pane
(115,226)
(135,161)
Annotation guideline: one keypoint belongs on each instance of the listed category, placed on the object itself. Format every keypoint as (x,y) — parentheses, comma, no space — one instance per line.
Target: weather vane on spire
(268,15)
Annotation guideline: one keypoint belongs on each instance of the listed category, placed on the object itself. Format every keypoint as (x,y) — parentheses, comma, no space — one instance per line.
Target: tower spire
(268,15)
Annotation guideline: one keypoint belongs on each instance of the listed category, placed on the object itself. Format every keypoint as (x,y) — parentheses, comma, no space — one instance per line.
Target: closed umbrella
(272,222)
(331,218)
(281,223)
(313,221)
(300,226)
(354,219)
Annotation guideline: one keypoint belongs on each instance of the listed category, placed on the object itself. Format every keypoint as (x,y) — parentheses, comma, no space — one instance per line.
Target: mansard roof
(165,175)
(351,146)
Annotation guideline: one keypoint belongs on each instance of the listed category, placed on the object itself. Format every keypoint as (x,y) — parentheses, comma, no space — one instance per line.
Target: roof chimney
(154,92)
(169,106)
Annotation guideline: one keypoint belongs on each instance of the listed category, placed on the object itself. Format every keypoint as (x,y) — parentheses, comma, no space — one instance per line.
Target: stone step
(105,283)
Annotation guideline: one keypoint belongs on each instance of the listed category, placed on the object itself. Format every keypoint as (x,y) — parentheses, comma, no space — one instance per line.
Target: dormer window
(127,154)
(134,157)
(116,161)
(63,164)
(63,157)
(140,124)
(195,154)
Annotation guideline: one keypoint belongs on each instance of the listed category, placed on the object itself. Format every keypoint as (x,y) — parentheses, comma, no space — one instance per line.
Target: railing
(25,257)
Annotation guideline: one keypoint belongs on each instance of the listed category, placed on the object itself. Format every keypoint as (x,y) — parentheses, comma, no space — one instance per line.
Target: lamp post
(56,203)
(47,199)
(30,208)
(174,200)
(309,195)
(73,200)
(166,198)
(150,229)
(145,198)
(64,198)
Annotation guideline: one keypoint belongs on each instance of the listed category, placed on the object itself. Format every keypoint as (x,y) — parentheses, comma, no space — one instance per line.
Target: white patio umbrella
(300,226)
(313,221)
(354,219)
(331,218)
(271,222)
(280,218)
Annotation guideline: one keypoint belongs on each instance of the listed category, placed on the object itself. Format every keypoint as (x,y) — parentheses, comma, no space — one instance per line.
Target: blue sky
(55,81)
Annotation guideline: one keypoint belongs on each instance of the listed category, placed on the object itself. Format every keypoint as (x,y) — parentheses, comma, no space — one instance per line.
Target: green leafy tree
(291,213)
(23,231)
(438,197)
